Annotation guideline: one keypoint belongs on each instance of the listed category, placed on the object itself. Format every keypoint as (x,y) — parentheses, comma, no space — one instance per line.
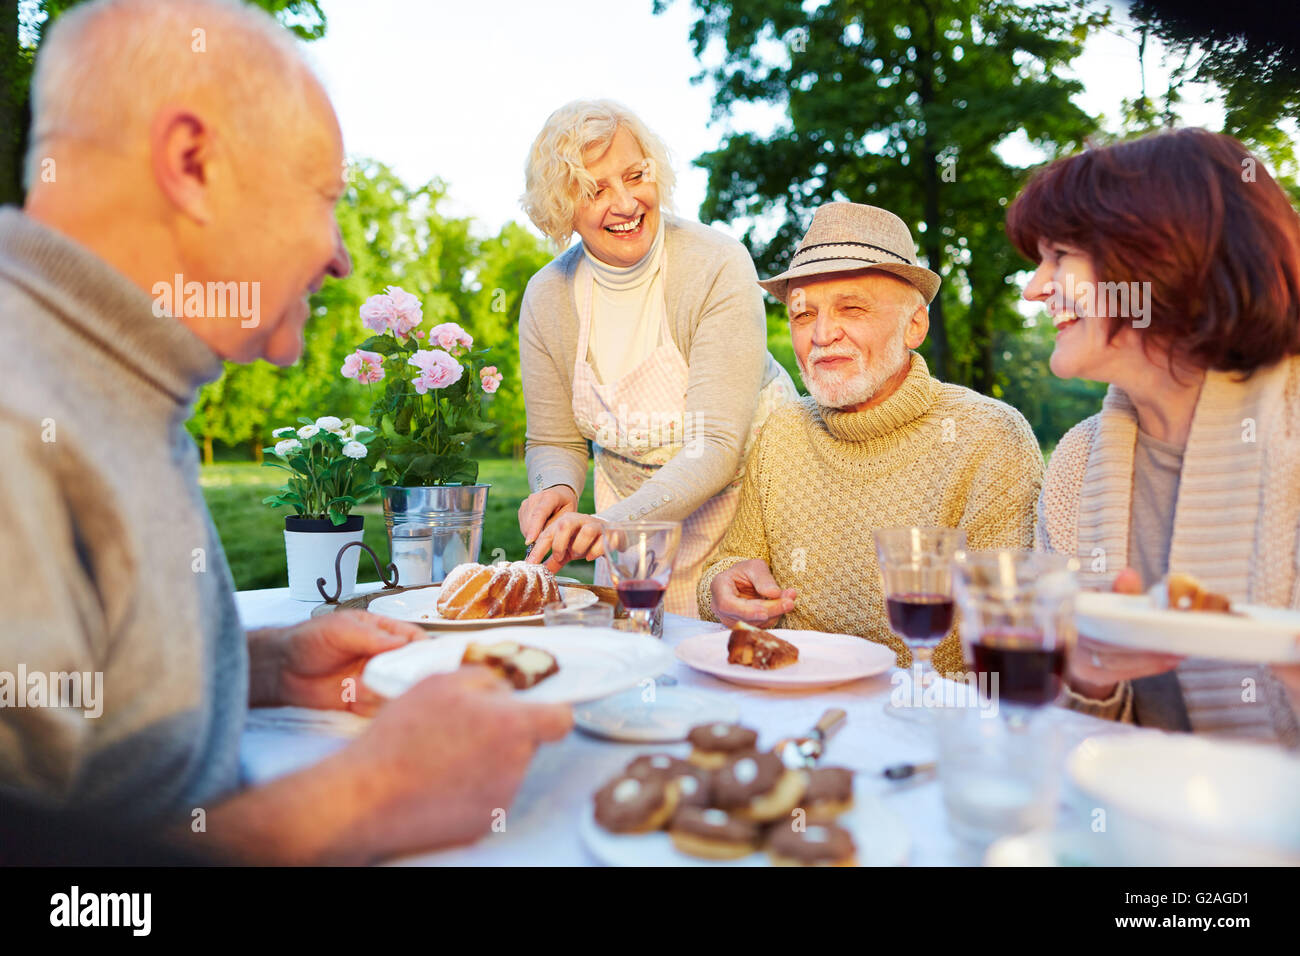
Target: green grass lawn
(253,533)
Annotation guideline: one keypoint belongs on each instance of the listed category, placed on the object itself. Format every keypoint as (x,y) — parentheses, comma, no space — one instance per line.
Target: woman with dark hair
(1170,266)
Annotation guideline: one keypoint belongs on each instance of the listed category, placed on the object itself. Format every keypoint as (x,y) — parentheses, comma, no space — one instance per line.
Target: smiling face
(1066,283)
(618,225)
(851,334)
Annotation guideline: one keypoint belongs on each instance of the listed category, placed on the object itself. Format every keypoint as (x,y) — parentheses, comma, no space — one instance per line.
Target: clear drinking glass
(640,555)
(997,780)
(559,614)
(1017,624)
(916,578)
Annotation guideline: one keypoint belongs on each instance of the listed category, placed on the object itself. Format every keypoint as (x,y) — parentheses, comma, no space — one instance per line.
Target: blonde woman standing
(648,339)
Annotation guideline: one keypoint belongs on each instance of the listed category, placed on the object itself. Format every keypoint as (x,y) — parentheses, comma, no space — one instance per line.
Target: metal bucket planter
(431,530)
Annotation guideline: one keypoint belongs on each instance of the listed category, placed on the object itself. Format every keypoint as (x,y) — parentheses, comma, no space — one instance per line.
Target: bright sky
(459,89)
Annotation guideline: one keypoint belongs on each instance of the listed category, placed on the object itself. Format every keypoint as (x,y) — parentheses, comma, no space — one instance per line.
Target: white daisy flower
(329,423)
(358,429)
(307,431)
(354,449)
(281,432)
(283,448)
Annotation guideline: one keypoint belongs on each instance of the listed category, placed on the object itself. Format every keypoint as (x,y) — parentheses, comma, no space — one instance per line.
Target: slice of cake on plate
(520,664)
(1182,592)
(750,646)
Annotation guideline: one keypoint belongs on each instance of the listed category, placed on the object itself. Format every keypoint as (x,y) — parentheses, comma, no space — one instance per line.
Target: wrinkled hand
(570,537)
(748,592)
(442,762)
(317,656)
(540,508)
(1096,668)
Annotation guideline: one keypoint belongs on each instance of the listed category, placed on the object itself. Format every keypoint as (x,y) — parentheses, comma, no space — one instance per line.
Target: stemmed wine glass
(916,577)
(1017,625)
(640,555)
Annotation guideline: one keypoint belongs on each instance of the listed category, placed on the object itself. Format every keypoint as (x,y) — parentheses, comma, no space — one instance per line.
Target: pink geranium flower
(365,367)
(396,310)
(437,369)
(450,336)
(378,314)
(407,308)
(491,378)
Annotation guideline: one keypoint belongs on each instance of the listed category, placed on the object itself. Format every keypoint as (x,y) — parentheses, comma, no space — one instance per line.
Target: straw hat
(847,237)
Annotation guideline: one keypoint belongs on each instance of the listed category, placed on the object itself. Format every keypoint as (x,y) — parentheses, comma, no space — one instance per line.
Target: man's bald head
(189,138)
(106,68)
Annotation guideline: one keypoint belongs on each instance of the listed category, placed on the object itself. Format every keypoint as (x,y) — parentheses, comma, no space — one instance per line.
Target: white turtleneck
(628,311)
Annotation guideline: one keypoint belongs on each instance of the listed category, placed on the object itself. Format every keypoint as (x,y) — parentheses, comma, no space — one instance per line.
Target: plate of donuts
(421,607)
(725,805)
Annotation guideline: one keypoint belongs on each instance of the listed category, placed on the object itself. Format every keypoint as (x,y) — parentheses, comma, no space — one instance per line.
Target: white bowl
(1184,800)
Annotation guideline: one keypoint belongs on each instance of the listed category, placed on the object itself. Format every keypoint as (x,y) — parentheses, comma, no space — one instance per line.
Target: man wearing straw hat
(877,443)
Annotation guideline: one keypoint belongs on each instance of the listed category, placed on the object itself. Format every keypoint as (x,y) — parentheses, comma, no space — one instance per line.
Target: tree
(904,106)
(21,28)
(506,262)
(1244,51)
(395,235)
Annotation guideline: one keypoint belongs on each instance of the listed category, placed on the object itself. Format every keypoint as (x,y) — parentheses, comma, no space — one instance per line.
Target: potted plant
(430,409)
(328,477)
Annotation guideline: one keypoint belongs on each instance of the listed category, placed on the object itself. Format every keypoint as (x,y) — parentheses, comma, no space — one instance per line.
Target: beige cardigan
(1237,519)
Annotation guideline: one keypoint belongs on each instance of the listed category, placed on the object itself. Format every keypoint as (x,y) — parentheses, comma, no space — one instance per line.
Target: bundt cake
(476,591)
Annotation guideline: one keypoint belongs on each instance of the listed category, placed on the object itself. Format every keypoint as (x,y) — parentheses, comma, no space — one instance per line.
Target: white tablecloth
(541,827)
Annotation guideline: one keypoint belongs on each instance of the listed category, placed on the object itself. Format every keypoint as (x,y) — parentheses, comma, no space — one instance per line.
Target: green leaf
(464,471)
(425,464)
(402,424)
(383,344)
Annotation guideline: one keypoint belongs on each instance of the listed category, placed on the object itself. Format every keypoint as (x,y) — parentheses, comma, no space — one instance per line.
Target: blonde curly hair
(556,181)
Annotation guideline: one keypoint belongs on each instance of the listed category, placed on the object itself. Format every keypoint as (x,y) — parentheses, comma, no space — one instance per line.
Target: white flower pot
(311,546)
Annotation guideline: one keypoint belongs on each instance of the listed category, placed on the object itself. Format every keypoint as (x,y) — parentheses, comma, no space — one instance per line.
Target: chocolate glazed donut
(635,805)
(713,743)
(694,784)
(815,845)
(757,786)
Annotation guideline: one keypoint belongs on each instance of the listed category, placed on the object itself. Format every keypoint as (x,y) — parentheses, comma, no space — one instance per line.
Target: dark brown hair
(1198,217)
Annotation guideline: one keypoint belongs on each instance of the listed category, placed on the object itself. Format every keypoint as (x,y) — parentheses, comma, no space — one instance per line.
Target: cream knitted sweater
(819,481)
(1236,523)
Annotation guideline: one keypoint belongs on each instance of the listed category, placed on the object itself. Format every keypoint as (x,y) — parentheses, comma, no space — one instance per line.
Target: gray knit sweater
(109,561)
(715,310)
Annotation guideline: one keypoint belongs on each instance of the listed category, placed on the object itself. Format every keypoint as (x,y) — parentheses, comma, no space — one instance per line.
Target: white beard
(860,383)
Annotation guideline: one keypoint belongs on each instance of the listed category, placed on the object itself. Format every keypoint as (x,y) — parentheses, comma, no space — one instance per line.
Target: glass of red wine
(1017,624)
(916,578)
(640,555)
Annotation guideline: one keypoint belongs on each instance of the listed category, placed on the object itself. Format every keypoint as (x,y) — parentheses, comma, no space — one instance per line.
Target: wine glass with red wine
(640,555)
(916,577)
(1017,624)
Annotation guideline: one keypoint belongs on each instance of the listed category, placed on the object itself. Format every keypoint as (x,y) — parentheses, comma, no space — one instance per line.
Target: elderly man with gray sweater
(153,159)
